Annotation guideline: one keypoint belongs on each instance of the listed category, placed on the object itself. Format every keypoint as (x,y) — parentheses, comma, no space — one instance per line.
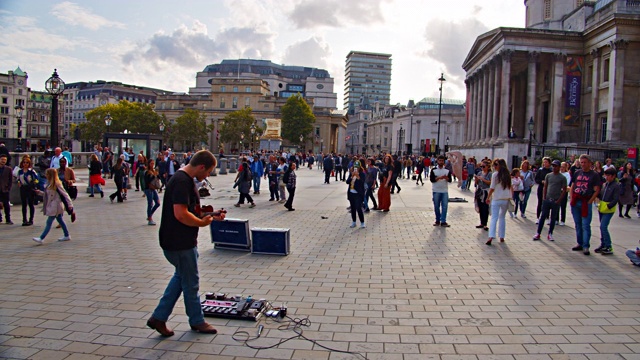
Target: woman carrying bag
(28,183)
(55,196)
(609,197)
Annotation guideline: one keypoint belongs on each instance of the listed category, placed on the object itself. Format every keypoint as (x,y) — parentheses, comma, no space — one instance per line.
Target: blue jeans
(523,203)
(605,237)
(97,187)
(631,254)
(152,197)
(256,184)
(185,281)
(441,200)
(583,224)
(498,212)
(49,222)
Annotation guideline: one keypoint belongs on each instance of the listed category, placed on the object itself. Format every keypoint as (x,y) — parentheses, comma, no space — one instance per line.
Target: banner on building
(573,90)
(274,127)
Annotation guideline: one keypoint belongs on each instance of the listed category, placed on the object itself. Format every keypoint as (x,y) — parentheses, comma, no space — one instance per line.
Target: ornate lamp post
(301,140)
(161,127)
(442,80)
(253,132)
(19,109)
(241,141)
(54,86)
(446,146)
(410,143)
(530,124)
(107,121)
(321,145)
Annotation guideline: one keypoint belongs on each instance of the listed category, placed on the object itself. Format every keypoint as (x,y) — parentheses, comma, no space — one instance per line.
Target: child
(465,178)
(54,197)
(517,185)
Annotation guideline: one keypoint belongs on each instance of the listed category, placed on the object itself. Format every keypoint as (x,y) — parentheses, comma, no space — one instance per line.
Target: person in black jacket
(95,171)
(355,194)
(397,170)
(327,165)
(540,175)
(118,177)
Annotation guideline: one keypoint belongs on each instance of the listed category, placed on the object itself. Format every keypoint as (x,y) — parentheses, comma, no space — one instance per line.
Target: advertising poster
(573,90)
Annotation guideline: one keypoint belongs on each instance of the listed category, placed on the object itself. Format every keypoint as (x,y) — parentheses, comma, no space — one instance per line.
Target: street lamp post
(322,145)
(253,131)
(54,86)
(399,146)
(161,127)
(446,146)
(442,80)
(410,143)
(530,125)
(19,109)
(241,140)
(301,140)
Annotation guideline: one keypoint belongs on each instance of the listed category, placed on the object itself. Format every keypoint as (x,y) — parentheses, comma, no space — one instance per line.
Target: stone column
(505,88)
(496,100)
(469,84)
(532,72)
(492,94)
(557,105)
(483,101)
(595,83)
(476,107)
(616,89)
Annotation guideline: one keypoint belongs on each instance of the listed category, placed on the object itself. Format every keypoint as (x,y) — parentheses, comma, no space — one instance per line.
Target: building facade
(237,84)
(366,76)
(13,92)
(570,74)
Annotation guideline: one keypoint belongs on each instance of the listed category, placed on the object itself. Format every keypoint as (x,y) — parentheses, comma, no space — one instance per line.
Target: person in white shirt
(608,165)
(440,177)
(500,193)
(55,160)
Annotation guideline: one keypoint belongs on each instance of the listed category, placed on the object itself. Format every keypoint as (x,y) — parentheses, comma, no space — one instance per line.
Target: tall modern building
(366,75)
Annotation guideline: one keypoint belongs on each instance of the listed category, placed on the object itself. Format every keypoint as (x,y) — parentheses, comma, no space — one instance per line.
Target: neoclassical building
(572,72)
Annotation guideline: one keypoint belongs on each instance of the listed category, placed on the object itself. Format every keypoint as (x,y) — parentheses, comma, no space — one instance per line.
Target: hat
(555,163)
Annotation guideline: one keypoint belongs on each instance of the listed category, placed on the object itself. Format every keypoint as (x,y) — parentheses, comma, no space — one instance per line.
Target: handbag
(604,209)
(73,192)
(512,206)
(155,184)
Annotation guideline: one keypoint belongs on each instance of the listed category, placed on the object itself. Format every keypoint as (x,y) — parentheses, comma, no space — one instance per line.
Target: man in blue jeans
(440,178)
(178,239)
(585,187)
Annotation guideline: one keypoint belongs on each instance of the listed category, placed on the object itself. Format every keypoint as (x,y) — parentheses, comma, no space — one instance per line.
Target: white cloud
(336,13)
(26,35)
(313,52)
(73,14)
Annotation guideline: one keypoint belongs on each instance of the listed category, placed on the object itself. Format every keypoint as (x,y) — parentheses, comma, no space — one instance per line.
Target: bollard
(233,168)
(223,166)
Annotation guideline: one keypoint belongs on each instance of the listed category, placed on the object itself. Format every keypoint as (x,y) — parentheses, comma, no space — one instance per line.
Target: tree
(191,129)
(236,123)
(297,119)
(134,117)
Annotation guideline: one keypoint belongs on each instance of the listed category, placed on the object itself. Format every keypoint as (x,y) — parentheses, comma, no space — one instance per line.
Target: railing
(580,136)
(565,152)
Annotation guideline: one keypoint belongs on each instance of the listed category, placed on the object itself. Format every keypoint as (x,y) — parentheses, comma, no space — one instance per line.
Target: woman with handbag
(67,177)
(500,195)
(384,191)
(150,186)
(626,178)
(609,196)
(244,186)
(54,198)
(483,180)
(118,173)
(528,180)
(517,187)
(28,183)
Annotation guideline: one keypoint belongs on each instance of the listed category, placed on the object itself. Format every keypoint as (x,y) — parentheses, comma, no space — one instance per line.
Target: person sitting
(634,256)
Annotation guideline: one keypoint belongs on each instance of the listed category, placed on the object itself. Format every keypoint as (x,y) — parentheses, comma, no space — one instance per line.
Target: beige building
(572,73)
(230,94)
(13,92)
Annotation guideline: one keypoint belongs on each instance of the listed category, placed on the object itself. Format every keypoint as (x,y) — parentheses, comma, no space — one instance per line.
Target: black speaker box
(270,241)
(234,232)
(232,247)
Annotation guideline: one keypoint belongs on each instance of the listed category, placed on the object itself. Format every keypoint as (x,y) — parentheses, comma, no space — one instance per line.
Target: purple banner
(573,91)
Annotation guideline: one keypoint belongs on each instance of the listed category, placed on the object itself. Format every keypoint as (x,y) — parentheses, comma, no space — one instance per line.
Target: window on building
(603,129)
(3,133)
(385,141)
(5,90)
(587,130)
(234,105)
(222,103)
(162,106)
(4,110)
(605,70)
(547,9)
(43,131)
(223,88)
(235,89)
(5,100)
(3,121)
(43,118)
(247,89)
(386,130)
(247,102)
(34,131)
(19,91)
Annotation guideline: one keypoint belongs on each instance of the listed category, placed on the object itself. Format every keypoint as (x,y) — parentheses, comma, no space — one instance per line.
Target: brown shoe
(204,328)
(160,327)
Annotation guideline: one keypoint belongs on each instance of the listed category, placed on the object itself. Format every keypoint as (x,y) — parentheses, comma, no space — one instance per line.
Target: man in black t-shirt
(585,187)
(179,241)
(397,170)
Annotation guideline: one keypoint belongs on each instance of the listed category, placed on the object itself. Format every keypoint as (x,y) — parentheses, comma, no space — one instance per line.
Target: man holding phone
(440,177)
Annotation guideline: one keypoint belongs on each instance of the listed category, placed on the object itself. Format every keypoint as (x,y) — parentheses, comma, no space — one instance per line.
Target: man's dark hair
(610,171)
(442,157)
(203,157)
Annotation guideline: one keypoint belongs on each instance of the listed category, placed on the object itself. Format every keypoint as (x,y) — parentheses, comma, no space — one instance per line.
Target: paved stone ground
(399,289)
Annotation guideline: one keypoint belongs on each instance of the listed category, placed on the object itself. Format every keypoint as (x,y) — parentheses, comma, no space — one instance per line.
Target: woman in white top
(499,194)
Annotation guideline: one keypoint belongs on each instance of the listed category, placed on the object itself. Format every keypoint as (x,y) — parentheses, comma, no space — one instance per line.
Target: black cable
(295,325)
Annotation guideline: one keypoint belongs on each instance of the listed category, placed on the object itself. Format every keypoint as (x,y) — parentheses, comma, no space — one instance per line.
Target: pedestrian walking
(290,180)
(244,185)
(384,192)
(355,193)
(95,180)
(55,196)
(440,178)
(585,187)
(499,197)
(6,182)
(483,181)
(118,178)
(27,182)
(609,197)
(150,185)
(555,188)
(528,180)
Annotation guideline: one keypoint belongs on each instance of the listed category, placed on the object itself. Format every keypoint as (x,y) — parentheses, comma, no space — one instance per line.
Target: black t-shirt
(585,182)
(174,235)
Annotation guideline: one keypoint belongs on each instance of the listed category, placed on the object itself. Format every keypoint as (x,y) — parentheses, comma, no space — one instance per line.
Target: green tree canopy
(190,129)
(236,123)
(134,117)
(297,119)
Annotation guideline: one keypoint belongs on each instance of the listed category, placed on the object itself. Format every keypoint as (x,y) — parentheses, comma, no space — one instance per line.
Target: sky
(163,43)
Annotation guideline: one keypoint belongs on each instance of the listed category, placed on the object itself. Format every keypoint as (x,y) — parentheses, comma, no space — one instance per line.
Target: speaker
(231,232)
(232,247)
(270,241)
